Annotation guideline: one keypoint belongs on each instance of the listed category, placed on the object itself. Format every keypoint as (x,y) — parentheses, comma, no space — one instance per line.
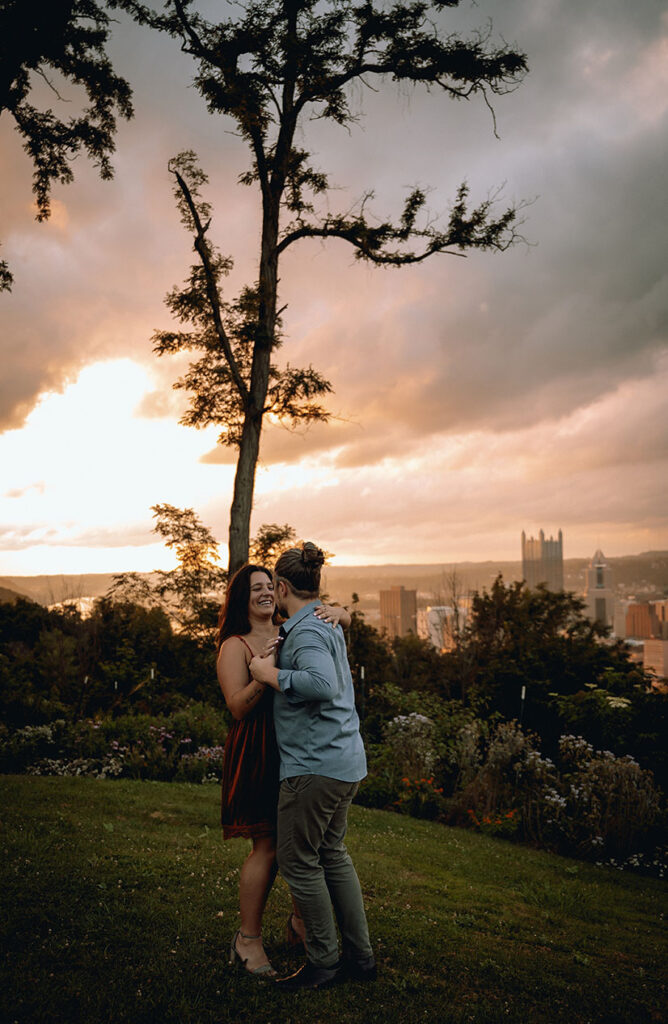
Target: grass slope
(121,900)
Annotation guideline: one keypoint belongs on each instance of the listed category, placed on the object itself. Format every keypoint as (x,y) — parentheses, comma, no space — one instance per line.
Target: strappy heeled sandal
(236,959)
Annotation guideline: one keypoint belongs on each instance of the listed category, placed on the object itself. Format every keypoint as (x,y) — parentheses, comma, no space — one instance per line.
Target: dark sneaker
(312,976)
(361,970)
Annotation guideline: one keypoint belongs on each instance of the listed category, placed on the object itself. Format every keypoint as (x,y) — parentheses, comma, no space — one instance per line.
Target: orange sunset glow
(473,398)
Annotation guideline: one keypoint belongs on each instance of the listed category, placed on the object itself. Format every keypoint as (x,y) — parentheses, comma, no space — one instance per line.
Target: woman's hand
(271,647)
(264,670)
(333,613)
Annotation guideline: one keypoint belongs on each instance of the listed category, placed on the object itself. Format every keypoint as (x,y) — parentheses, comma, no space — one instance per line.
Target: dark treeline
(128,659)
(533,725)
(121,659)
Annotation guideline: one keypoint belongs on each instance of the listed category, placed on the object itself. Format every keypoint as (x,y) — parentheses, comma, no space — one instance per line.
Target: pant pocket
(297,783)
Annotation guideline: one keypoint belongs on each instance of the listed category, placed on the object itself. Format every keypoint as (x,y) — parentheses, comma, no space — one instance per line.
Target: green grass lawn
(120,901)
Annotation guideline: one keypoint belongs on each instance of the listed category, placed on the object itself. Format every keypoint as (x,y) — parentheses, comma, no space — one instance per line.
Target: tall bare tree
(55,42)
(270,66)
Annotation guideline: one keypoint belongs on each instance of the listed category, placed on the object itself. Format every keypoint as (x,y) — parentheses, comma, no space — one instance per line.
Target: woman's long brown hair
(233,618)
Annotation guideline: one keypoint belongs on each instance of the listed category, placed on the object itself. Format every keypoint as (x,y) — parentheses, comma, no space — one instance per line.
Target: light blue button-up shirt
(317,728)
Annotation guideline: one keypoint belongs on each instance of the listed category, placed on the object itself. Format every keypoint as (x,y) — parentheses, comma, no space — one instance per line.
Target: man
(322,762)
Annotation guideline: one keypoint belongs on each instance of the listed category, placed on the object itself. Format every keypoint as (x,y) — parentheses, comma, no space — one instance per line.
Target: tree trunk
(249,449)
(242,503)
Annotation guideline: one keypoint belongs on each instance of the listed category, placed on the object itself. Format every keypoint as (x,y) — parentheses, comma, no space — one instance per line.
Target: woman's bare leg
(257,876)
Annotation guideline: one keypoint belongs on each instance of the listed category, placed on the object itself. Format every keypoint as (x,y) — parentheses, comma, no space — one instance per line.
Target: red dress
(250,773)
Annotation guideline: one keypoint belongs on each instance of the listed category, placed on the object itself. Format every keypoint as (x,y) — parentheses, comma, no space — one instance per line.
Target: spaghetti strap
(247,646)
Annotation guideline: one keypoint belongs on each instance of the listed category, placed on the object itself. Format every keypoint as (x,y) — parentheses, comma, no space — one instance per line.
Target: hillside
(9,595)
(121,900)
(645,574)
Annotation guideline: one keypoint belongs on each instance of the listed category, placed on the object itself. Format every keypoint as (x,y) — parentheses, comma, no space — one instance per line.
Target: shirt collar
(301,614)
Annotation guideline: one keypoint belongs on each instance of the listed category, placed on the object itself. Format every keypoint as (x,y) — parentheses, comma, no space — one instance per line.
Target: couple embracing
(293,761)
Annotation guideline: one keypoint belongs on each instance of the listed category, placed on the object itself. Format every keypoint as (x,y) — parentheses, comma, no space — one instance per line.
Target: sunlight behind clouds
(89,468)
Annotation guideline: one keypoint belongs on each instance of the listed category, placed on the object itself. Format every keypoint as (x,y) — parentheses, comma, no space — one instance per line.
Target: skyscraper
(543,561)
(398,611)
(599,590)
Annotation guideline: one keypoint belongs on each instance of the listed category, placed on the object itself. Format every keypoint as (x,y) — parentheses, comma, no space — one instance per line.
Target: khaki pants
(312,857)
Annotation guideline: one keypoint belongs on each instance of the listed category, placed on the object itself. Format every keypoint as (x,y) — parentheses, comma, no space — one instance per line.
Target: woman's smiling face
(261,602)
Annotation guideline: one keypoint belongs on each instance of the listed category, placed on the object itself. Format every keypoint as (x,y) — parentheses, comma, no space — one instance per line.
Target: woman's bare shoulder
(234,647)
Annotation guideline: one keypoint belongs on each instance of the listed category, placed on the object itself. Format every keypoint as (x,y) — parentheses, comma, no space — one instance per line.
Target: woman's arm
(241,695)
(334,613)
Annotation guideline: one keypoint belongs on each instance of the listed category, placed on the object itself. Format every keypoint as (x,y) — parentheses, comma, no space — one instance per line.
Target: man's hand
(265,671)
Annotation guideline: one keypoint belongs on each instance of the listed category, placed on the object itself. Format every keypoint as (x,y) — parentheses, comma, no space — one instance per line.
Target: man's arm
(314,676)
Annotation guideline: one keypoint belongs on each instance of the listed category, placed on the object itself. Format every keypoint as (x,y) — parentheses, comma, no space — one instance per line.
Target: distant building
(619,625)
(398,611)
(543,561)
(641,621)
(599,591)
(661,612)
(655,659)
(435,624)
(647,620)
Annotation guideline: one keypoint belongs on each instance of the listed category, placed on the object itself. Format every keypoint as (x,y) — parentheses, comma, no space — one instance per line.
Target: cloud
(472,397)
(491,342)
(19,492)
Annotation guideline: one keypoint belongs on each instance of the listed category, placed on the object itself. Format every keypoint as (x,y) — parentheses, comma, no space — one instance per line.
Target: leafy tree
(417,665)
(21,624)
(56,664)
(191,592)
(57,668)
(270,67)
(517,637)
(65,39)
(156,668)
(270,542)
(371,666)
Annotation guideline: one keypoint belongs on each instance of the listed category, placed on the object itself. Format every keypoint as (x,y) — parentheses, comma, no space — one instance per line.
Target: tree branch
(353,235)
(200,50)
(202,247)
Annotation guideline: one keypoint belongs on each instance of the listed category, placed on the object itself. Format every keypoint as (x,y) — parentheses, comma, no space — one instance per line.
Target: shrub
(491,782)
(408,752)
(421,798)
(130,746)
(23,747)
(611,803)
(410,742)
(380,787)
(204,765)
(591,804)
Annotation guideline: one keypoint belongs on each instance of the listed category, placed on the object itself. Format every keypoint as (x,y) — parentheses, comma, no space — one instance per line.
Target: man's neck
(294,604)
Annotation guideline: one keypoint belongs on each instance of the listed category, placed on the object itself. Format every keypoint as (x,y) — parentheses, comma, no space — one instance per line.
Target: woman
(248,627)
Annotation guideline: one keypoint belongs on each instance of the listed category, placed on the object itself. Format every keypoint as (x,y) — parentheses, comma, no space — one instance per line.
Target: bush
(204,765)
(24,747)
(591,804)
(380,787)
(611,802)
(408,755)
(410,743)
(421,798)
(185,745)
(490,781)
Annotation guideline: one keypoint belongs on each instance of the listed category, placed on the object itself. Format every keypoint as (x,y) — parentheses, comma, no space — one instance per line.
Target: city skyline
(473,398)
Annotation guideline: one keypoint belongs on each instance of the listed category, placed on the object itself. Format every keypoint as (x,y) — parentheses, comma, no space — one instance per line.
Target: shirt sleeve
(315,676)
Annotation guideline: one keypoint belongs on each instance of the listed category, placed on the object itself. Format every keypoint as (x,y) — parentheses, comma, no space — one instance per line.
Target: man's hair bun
(300,567)
(312,555)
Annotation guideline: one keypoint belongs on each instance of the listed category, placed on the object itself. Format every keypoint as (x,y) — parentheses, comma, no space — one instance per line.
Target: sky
(473,398)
